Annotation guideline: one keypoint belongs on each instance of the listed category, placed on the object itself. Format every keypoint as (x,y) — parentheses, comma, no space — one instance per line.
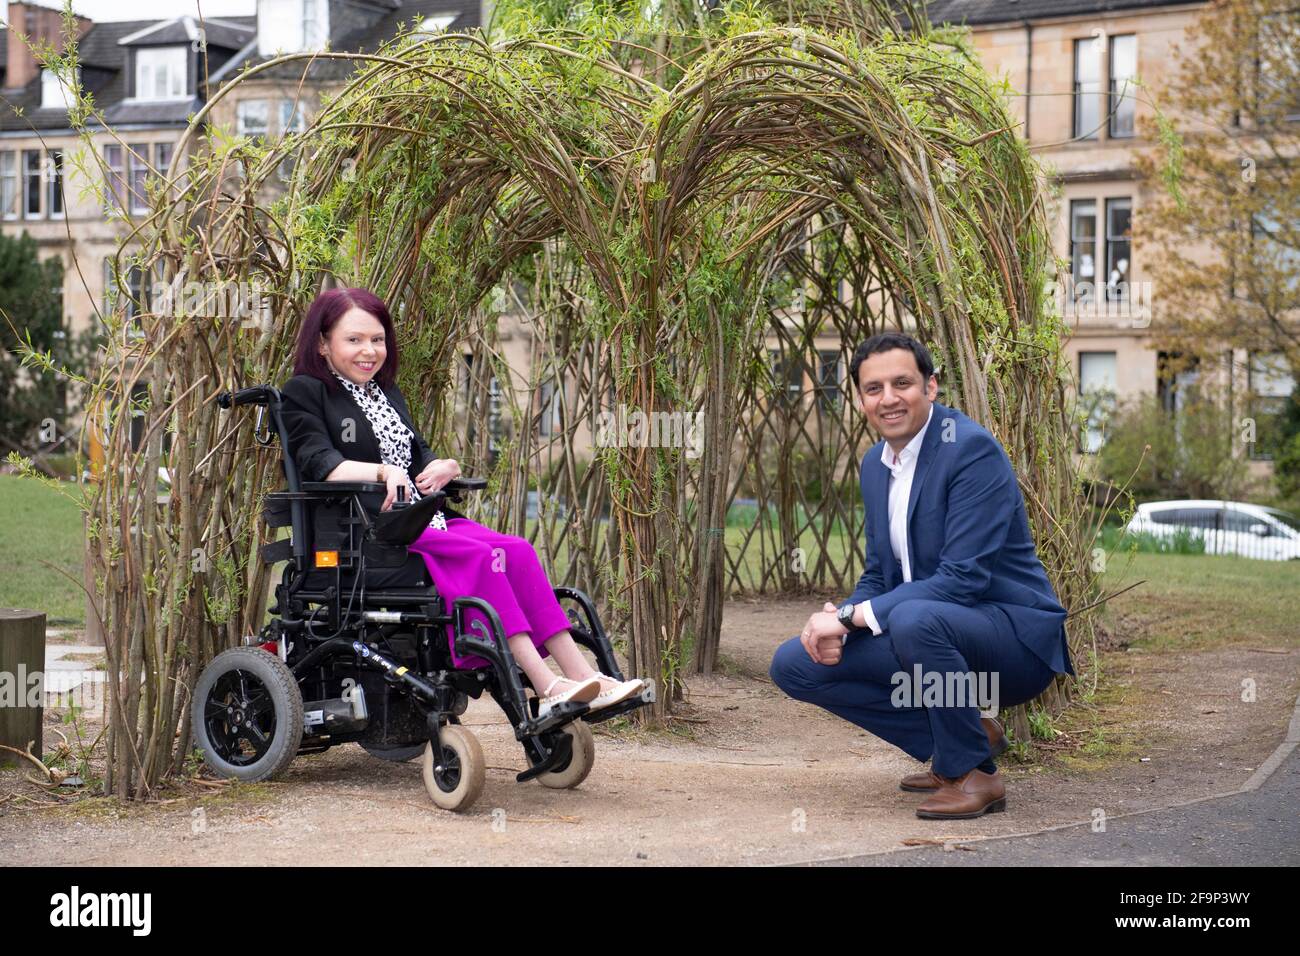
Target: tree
(1154,454)
(1227,223)
(30,315)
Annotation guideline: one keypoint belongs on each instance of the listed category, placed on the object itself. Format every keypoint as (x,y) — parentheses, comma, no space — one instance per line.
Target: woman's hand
(436,474)
(396,478)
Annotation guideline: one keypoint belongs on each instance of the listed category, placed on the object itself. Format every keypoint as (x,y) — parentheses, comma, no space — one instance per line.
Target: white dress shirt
(902,468)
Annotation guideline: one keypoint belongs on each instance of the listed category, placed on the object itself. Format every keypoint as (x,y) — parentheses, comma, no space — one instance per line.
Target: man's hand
(823,636)
(436,474)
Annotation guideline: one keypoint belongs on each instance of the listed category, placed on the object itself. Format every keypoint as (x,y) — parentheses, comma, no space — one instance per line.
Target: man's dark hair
(887,342)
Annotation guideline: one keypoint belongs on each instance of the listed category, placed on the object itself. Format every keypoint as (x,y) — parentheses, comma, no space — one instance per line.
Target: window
(31,183)
(1234,520)
(1277,247)
(116,184)
(162,158)
(139,179)
(1119,245)
(313,36)
(252,118)
(437,23)
(1278,64)
(550,402)
(1097,393)
(292,117)
(54,200)
(1123,71)
(139,405)
(1271,384)
(1176,378)
(1087,87)
(1083,248)
(787,368)
(160,73)
(8,185)
(828,380)
(109,298)
(1203,519)
(292,120)
(137,297)
(292,26)
(1165,516)
(54,94)
(131,295)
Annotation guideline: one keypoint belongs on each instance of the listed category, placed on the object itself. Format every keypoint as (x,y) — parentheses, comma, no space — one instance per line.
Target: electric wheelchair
(349,658)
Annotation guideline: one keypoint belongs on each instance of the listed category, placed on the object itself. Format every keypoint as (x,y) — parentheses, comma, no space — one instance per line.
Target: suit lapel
(924,459)
(877,503)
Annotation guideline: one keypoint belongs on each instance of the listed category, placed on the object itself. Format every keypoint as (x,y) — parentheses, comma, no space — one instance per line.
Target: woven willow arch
(651,225)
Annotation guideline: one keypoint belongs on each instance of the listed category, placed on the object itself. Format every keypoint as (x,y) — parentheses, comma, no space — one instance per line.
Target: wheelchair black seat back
(347,658)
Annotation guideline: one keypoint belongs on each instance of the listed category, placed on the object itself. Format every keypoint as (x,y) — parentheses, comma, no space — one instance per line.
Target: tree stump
(22,670)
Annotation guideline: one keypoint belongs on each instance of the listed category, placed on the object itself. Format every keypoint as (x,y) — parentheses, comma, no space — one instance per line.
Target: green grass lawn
(1199,601)
(39,524)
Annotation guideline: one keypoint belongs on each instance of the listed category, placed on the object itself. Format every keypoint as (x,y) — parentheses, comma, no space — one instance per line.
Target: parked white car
(1227,527)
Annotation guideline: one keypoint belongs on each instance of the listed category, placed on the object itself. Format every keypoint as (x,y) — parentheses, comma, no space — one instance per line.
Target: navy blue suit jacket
(967,535)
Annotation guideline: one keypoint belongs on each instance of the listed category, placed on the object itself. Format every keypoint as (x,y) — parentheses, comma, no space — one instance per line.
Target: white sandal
(620,692)
(583,692)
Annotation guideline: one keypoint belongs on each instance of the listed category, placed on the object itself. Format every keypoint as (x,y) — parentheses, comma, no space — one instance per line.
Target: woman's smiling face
(355,346)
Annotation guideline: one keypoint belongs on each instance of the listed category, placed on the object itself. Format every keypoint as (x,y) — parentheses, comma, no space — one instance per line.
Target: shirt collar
(910,450)
(354,388)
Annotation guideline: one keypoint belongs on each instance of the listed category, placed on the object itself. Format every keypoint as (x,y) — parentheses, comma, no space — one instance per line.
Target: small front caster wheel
(454,768)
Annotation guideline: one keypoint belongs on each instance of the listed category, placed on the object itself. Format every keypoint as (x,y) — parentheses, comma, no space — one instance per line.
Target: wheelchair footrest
(646,696)
(558,716)
(559,754)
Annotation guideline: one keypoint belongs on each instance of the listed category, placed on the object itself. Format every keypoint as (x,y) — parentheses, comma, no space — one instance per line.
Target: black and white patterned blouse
(392,433)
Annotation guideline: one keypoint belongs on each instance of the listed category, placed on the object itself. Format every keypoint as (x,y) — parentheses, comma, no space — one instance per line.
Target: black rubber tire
(471,770)
(277,722)
(580,762)
(395,754)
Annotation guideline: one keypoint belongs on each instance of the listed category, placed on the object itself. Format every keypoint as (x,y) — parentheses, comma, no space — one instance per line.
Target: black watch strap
(845,614)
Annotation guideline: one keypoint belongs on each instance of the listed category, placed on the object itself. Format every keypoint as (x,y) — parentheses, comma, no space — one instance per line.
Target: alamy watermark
(921,688)
(658,429)
(231,299)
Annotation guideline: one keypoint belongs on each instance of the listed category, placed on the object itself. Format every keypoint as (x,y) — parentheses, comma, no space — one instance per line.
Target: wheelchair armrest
(465,484)
(456,488)
(317,488)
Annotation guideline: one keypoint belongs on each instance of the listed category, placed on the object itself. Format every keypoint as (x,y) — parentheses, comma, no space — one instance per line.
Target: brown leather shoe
(923,782)
(971,795)
(927,782)
(997,739)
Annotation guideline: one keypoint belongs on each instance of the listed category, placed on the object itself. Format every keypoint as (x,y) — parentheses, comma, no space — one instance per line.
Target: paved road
(1259,828)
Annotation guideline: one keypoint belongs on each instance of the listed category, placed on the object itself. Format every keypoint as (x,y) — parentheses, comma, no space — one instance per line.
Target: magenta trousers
(469,560)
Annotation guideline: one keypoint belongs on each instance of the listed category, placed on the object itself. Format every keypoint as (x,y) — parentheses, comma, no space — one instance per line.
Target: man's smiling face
(894,395)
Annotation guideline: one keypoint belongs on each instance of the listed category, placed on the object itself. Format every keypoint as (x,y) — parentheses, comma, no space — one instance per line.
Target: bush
(1188,455)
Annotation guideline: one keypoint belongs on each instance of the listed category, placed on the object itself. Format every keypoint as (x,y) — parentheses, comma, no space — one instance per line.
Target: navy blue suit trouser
(944,639)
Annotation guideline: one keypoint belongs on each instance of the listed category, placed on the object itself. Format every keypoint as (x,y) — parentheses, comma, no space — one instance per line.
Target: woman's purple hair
(329,307)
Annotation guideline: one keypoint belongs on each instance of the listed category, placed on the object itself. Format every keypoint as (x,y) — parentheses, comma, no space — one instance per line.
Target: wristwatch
(845,614)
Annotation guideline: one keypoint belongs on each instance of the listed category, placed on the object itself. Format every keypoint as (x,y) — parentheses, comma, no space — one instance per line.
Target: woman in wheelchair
(347,421)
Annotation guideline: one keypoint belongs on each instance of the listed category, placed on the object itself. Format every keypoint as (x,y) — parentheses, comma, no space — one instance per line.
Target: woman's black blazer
(317,418)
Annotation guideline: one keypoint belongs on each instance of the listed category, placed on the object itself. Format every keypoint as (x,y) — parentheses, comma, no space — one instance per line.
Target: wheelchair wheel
(580,762)
(247,714)
(395,754)
(455,781)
